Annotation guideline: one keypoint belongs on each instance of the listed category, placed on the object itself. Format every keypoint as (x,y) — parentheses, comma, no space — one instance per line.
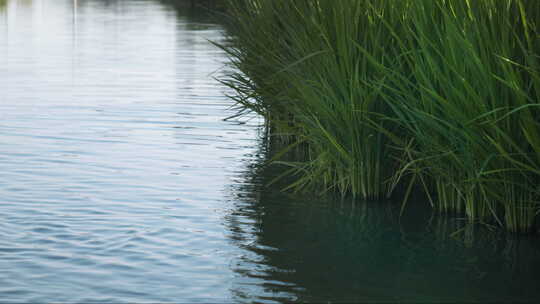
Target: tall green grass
(437,94)
(302,70)
(469,100)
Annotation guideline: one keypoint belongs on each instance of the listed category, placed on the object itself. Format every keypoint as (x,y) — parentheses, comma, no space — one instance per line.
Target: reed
(300,67)
(436,94)
(470,103)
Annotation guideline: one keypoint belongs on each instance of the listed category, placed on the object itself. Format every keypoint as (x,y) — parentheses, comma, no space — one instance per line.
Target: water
(121,182)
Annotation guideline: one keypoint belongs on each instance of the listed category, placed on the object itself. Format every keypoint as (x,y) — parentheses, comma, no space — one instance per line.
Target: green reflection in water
(197,17)
(318,250)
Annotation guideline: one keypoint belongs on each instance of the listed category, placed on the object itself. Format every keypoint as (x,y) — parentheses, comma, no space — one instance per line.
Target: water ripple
(114,154)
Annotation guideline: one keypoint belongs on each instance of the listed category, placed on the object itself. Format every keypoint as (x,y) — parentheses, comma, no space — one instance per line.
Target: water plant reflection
(327,249)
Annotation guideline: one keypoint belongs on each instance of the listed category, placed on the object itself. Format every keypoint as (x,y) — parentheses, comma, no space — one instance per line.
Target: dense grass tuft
(437,94)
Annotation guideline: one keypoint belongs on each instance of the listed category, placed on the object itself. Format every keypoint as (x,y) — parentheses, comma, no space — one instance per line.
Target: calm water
(120,182)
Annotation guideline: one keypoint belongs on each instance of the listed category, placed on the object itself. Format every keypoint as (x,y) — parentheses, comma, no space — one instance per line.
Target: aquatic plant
(300,67)
(469,101)
(438,94)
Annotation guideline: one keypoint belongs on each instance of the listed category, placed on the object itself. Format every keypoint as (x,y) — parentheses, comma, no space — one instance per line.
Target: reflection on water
(304,249)
(114,154)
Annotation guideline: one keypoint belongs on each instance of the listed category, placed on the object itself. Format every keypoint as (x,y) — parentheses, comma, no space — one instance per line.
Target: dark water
(120,182)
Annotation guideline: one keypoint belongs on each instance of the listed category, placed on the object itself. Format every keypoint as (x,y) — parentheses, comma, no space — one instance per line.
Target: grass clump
(469,101)
(301,68)
(437,94)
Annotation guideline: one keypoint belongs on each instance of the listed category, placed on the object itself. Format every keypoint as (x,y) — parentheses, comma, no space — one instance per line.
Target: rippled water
(114,157)
(121,182)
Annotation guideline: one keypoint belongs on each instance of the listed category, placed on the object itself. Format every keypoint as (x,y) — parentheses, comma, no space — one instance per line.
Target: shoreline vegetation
(439,96)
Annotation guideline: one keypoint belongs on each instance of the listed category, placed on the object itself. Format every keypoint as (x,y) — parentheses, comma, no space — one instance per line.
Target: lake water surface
(121,182)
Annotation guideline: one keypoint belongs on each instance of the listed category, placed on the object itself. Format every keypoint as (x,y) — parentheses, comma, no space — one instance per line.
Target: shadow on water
(312,249)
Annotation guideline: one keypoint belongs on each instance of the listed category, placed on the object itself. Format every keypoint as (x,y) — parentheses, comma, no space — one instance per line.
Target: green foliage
(301,69)
(469,100)
(438,94)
